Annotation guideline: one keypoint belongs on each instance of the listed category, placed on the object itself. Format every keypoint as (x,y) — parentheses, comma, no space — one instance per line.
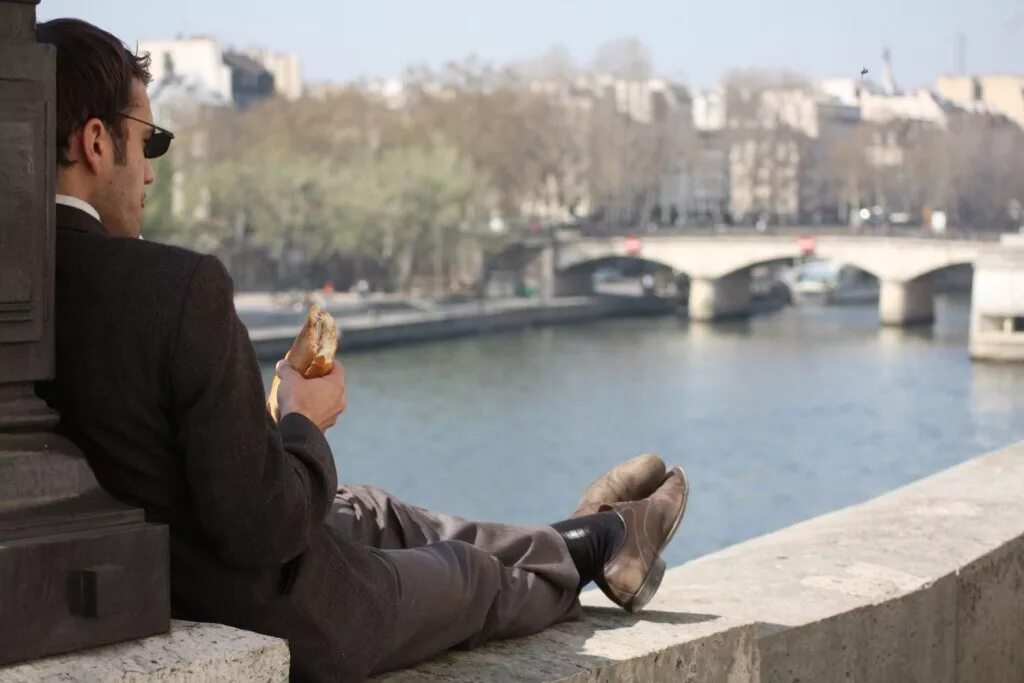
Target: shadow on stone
(569,649)
(615,615)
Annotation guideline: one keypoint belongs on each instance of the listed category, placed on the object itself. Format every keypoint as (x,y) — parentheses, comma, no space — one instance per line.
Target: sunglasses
(158,143)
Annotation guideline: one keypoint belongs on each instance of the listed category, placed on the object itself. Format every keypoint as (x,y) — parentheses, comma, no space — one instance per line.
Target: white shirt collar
(81,205)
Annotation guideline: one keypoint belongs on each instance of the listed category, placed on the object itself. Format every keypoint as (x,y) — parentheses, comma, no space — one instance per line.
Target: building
(250,81)
(709,110)
(1003,93)
(645,127)
(198,61)
(780,156)
(176,96)
(848,90)
(180,103)
(921,149)
(654,153)
(229,77)
(921,105)
(893,120)
(285,68)
(696,192)
(633,137)
(190,78)
(644,101)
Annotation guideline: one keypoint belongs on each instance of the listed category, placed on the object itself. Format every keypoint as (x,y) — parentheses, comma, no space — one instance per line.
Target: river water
(777,419)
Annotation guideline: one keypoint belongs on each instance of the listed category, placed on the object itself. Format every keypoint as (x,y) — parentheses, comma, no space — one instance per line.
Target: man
(158,384)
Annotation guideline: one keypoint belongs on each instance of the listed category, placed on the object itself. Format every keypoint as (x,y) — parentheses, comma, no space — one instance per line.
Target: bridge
(719,266)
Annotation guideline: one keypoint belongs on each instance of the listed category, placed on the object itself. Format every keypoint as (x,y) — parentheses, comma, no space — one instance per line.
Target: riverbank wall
(407,326)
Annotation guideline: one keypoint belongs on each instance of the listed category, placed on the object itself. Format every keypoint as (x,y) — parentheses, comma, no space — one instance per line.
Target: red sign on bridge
(806,244)
(633,245)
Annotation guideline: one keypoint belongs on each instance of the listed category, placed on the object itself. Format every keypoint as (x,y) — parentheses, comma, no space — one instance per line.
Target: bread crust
(312,352)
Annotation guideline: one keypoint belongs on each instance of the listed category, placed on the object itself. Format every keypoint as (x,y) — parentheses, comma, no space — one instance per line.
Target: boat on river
(830,282)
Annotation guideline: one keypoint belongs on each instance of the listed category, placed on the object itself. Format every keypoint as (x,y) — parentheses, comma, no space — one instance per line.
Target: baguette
(312,352)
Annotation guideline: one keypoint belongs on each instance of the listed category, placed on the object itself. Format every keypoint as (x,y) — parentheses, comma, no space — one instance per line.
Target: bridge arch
(578,279)
(748,267)
(595,263)
(897,259)
(931,272)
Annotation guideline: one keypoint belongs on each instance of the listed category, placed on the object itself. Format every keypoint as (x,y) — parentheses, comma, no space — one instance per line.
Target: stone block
(990,616)
(191,651)
(608,644)
(911,638)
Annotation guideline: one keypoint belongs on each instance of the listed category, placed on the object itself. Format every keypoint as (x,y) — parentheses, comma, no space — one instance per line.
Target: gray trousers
(461,583)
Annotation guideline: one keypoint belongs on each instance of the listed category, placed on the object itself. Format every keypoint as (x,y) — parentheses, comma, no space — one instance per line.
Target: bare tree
(555,64)
(849,169)
(521,138)
(625,58)
(986,154)
(630,158)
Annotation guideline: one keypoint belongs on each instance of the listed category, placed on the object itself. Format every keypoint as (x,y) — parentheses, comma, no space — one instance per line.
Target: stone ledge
(191,651)
(608,644)
(924,583)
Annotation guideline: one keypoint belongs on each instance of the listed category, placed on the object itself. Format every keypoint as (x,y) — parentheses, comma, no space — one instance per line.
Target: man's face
(123,194)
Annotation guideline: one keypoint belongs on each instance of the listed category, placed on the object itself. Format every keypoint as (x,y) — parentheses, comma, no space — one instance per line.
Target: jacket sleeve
(258,489)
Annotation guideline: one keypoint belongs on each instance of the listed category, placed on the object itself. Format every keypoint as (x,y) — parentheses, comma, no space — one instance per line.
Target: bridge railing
(789,230)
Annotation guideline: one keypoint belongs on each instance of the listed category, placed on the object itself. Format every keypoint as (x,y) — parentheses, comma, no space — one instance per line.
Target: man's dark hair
(94,80)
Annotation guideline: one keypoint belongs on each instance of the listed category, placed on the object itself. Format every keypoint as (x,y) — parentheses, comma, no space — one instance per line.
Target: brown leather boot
(631,480)
(633,574)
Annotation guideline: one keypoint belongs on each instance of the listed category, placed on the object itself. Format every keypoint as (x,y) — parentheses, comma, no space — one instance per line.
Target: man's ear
(94,145)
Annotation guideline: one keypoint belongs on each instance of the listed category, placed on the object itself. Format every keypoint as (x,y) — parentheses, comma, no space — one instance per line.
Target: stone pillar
(907,303)
(997,305)
(719,299)
(77,568)
(578,282)
(547,272)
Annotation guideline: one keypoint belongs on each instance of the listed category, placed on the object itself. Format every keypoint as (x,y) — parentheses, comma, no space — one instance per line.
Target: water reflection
(992,413)
(701,333)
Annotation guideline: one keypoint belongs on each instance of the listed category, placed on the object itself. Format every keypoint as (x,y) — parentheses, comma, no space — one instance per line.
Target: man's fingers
(284,368)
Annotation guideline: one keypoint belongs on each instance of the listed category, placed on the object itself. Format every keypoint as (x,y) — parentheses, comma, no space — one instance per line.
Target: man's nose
(150,176)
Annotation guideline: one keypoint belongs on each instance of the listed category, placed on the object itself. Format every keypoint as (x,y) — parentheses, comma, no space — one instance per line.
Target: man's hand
(321,399)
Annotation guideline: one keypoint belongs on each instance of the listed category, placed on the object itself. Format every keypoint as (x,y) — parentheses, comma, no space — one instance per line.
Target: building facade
(228,77)
(1004,93)
(285,69)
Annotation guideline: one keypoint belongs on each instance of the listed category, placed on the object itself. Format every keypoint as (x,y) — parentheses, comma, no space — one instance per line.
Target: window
(991,323)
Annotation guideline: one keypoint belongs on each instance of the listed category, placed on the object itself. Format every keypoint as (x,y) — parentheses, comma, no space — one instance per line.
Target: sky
(694,42)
